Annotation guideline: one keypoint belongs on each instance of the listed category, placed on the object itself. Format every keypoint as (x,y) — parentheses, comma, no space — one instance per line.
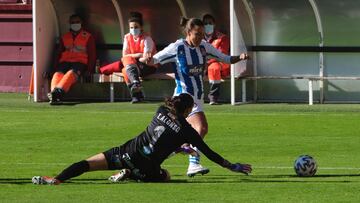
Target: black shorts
(78,68)
(142,168)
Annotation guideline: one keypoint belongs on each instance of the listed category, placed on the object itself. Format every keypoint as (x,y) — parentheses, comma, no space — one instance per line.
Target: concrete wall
(16,49)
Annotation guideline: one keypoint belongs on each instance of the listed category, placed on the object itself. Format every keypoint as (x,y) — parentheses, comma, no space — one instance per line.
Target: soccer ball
(305,166)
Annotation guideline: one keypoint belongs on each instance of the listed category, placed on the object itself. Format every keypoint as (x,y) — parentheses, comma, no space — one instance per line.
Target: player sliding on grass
(141,157)
(190,56)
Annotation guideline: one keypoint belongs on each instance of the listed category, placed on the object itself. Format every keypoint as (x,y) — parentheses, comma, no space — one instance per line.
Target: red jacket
(220,41)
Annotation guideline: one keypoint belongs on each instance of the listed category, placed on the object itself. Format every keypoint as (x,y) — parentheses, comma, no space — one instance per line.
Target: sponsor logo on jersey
(196,70)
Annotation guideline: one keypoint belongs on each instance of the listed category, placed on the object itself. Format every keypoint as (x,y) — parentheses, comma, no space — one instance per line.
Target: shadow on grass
(73,103)
(212,179)
(66,104)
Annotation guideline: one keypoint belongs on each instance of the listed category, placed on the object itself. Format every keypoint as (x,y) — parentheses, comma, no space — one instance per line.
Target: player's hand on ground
(241,168)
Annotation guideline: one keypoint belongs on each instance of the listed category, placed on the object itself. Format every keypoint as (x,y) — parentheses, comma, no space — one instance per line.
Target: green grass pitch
(38,139)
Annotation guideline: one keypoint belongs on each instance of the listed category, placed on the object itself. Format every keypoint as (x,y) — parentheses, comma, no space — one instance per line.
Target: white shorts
(198,105)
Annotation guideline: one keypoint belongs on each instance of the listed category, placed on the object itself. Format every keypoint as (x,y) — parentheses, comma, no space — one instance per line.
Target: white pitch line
(184,166)
(322,168)
(212,113)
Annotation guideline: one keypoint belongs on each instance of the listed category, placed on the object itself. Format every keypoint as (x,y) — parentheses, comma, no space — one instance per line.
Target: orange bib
(75,49)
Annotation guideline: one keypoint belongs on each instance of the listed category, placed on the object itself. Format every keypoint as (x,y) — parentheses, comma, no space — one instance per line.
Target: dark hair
(75,16)
(178,104)
(136,17)
(189,24)
(208,16)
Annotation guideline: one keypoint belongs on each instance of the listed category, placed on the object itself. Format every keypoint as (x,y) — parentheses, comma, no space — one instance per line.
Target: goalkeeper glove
(241,168)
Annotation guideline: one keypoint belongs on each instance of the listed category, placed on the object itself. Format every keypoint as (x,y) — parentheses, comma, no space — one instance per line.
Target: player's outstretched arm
(196,140)
(241,57)
(240,168)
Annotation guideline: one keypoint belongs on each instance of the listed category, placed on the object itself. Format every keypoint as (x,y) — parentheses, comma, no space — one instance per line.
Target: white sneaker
(195,169)
(44,180)
(121,176)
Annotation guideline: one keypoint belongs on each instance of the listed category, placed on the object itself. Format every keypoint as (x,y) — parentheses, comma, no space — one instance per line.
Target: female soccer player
(190,56)
(141,158)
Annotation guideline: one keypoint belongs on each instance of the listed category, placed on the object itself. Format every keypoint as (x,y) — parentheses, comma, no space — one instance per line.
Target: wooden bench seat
(118,77)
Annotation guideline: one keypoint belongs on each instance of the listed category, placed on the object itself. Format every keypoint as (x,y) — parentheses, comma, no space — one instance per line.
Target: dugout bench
(118,77)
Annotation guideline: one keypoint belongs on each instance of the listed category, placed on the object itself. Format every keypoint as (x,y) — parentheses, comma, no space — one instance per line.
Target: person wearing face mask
(216,69)
(190,56)
(137,44)
(76,55)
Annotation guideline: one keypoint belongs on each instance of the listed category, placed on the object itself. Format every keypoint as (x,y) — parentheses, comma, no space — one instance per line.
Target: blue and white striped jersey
(189,65)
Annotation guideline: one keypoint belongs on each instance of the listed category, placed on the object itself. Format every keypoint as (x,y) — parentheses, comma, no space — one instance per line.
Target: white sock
(194,160)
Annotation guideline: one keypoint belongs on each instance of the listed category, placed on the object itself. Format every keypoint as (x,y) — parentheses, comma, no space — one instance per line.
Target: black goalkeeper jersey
(166,133)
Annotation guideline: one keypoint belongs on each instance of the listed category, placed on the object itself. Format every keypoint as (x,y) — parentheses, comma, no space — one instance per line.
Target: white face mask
(209,29)
(75,27)
(135,31)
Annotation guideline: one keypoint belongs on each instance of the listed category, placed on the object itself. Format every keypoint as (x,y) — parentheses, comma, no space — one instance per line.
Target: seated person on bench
(76,55)
(216,69)
(137,44)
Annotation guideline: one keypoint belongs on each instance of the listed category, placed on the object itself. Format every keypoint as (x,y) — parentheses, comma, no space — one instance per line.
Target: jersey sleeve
(224,45)
(213,53)
(148,44)
(167,55)
(194,138)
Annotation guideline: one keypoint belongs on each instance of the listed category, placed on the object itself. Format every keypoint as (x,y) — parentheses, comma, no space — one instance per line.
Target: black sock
(74,170)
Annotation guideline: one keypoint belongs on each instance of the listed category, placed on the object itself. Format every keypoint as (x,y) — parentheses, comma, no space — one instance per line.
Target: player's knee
(203,130)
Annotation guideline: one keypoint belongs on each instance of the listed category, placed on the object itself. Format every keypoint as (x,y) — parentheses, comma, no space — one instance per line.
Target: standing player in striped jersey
(189,56)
